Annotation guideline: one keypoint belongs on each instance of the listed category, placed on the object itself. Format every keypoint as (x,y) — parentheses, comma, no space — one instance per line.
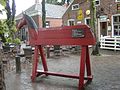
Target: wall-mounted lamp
(108,19)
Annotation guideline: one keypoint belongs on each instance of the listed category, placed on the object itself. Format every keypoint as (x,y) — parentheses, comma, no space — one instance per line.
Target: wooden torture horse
(66,35)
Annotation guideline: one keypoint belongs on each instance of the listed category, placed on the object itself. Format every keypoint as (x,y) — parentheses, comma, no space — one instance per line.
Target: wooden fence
(108,42)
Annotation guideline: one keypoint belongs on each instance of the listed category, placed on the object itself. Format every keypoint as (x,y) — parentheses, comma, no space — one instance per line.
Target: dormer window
(97,2)
(75,6)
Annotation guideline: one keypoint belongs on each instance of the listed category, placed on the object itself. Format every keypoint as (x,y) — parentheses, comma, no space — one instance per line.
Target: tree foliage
(3,2)
(3,30)
(9,24)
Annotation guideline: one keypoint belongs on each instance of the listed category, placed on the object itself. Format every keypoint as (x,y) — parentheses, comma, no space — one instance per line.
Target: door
(103,28)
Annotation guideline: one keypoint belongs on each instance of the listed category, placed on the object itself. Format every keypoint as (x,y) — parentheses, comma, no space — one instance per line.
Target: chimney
(36,1)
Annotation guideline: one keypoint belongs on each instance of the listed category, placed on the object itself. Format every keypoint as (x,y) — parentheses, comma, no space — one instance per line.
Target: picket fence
(108,42)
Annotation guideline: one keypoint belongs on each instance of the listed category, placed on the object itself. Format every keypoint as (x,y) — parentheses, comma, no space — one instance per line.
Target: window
(116,30)
(75,6)
(97,2)
(71,22)
(47,24)
(116,19)
(116,25)
(87,21)
(23,34)
(117,0)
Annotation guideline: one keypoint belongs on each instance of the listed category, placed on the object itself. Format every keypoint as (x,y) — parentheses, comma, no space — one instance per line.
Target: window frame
(72,20)
(97,4)
(116,25)
(47,24)
(87,18)
(75,5)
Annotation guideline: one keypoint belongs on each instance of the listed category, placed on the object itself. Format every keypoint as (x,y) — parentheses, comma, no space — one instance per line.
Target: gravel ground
(105,70)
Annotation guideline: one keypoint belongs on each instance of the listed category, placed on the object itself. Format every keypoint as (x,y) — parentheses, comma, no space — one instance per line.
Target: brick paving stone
(105,69)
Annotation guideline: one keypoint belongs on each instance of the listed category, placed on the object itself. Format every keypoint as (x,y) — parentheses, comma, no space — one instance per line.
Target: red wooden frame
(62,36)
(84,62)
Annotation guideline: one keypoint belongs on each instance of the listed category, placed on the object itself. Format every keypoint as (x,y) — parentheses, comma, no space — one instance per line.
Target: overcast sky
(21,5)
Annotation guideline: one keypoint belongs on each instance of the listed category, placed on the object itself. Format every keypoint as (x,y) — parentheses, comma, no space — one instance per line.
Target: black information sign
(78,33)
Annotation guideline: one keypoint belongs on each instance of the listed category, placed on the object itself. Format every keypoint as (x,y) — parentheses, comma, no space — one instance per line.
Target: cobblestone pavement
(105,69)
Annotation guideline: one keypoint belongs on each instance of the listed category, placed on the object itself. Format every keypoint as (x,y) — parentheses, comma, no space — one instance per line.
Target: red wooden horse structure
(66,35)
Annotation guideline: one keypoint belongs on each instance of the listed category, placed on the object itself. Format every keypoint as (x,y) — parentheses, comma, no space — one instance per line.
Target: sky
(21,5)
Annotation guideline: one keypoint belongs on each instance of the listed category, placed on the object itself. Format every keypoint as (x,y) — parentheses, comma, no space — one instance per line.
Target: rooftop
(52,11)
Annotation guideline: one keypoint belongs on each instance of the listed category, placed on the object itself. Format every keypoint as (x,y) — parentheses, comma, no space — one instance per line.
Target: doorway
(103,28)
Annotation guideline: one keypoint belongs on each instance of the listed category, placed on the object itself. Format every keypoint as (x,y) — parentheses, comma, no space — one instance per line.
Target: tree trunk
(44,23)
(93,26)
(43,14)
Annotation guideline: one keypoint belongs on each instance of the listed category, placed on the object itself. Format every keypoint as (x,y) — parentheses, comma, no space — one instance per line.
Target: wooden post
(18,64)
(48,51)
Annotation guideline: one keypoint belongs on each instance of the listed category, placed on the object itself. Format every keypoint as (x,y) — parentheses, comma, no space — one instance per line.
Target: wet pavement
(105,70)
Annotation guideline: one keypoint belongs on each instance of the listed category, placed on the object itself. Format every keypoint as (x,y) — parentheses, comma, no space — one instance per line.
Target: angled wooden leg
(35,64)
(88,67)
(82,68)
(43,58)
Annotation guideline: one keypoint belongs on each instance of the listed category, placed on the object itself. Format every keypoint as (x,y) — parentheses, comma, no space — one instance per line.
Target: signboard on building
(87,12)
(103,18)
(80,15)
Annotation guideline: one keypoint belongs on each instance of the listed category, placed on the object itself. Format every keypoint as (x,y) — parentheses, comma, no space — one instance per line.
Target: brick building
(107,13)
(54,15)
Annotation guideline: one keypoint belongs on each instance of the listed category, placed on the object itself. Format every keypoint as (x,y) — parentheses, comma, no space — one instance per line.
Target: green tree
(6,27)
(2,30)
(3,2)
(10,22)
(10,11)
(93,26)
